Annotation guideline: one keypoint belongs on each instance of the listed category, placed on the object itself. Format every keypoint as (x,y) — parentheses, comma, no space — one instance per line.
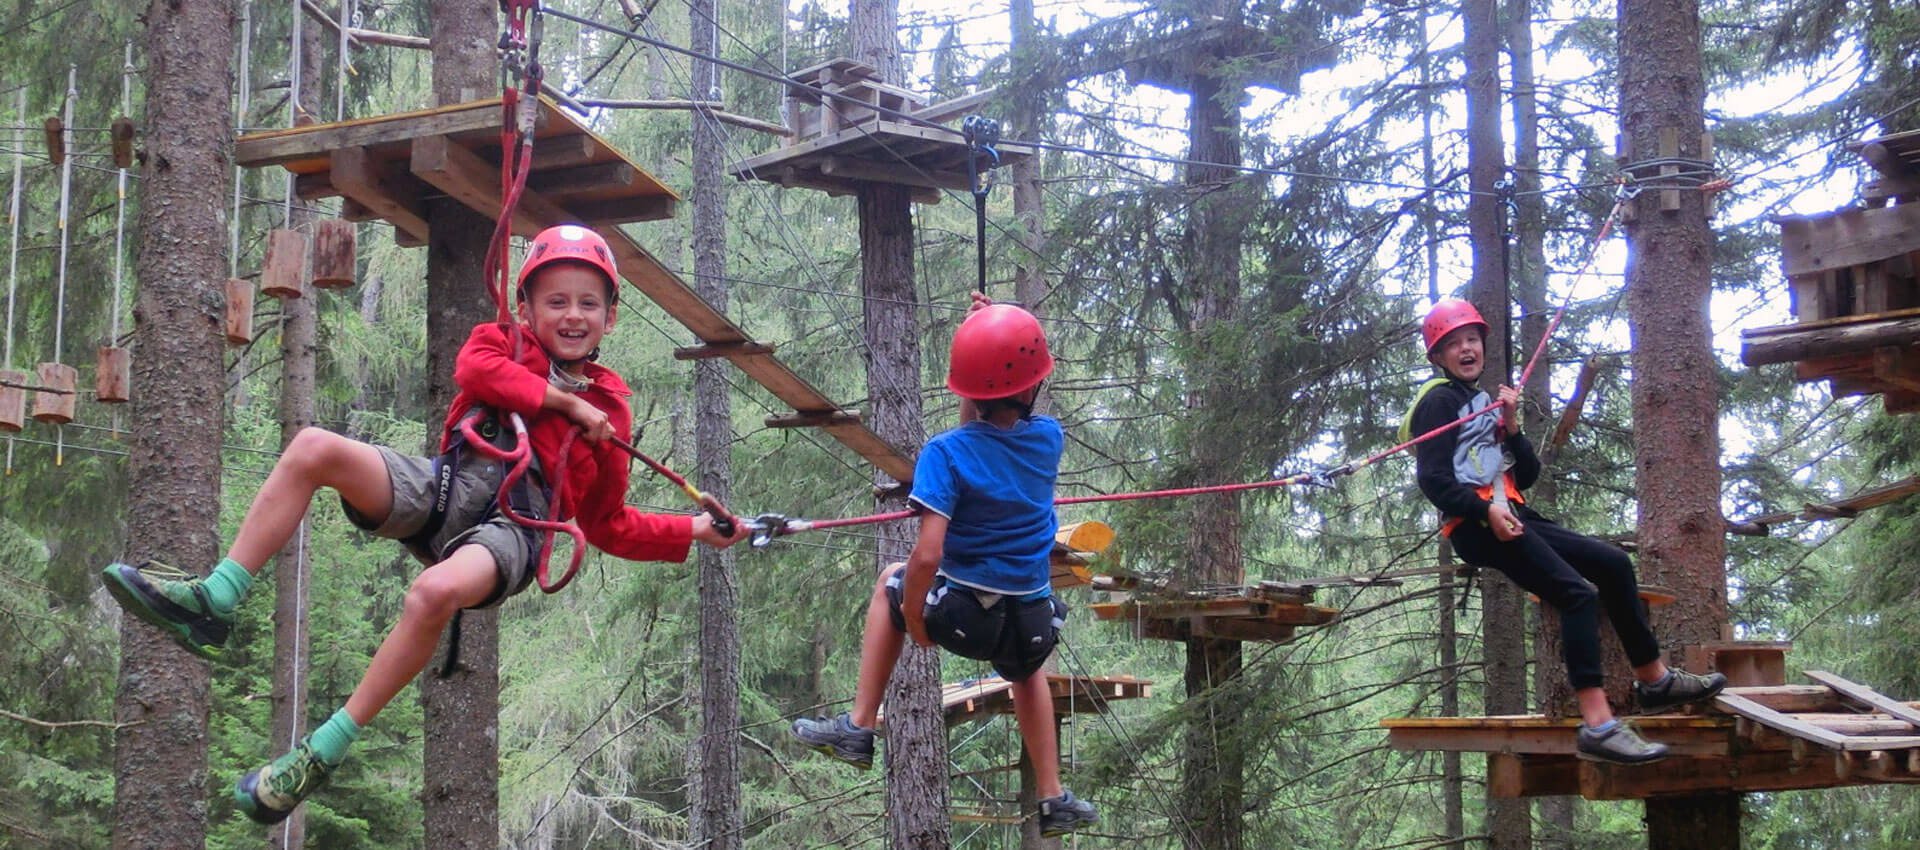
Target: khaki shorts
(472,514)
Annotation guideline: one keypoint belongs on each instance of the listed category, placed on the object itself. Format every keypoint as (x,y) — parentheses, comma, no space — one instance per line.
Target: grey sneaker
(270,792)
(173,600)
(1681,688)
(837,737)
(1065,813)
(1619,745)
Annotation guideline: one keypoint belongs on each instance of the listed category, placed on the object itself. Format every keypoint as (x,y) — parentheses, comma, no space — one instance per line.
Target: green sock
(331,740)
(227,585)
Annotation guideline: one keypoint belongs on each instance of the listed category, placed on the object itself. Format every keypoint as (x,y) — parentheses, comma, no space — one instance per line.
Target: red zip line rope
(768,526)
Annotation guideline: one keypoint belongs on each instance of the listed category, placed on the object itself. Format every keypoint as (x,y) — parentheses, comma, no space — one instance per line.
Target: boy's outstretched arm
(921,566)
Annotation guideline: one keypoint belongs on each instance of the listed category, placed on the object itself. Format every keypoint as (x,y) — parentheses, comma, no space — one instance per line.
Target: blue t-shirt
(995,486)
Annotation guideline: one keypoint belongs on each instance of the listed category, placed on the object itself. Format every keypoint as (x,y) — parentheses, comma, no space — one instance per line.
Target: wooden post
(283,274)
(13,400)
(113,375)
(333,253)
(239,311)
(54,404)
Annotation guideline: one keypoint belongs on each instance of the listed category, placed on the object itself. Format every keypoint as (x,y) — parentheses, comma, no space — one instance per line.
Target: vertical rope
(66,197)
(120,203)
(246,97)
(13,234)
(299,622)
(340,84)
(294,60)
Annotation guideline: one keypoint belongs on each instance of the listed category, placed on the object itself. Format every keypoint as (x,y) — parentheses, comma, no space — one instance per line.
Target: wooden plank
(570,181)
(814,420)
(278,147)
(1830,341)
(1768,771)
(1786,723)
(1535,734)
(724,349)
(900,173)
(611,211)
(353,171)
(1848,238)
(1865,696)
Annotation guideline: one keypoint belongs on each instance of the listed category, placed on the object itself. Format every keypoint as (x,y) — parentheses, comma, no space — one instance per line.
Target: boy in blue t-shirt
(978,582)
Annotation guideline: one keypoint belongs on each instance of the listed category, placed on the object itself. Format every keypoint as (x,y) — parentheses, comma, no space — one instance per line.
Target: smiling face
(568,309)
(1461,353)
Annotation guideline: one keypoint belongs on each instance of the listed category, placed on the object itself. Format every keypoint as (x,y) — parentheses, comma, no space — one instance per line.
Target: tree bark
(1676,401)
(1503,606)
(717,822)
(462,711)
(916,730)
(298,346)
(1212,789)
(177,416)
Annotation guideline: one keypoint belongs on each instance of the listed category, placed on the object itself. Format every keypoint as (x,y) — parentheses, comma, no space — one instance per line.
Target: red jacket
(595,492)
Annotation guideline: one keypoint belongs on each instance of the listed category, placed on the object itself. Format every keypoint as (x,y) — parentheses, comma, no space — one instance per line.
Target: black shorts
(1015,637)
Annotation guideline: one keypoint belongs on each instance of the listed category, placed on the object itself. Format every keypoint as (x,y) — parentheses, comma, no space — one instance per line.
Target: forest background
(597,717)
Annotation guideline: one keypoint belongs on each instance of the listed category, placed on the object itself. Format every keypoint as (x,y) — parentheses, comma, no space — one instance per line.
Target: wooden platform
(386,166)
(1831,734)
(1854,279)
(1268,612)
(981,698)
(838,145)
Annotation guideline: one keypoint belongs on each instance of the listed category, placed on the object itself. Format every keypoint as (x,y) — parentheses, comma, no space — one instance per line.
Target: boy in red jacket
(443,509)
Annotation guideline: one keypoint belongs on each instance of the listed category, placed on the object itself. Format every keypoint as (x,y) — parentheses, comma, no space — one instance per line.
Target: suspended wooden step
(1074,548)
(1269,612)
(239,323)
(976,699)
(1854,279)
(55,401)
(13,400)
(284,273)
(113,375)
(838,145)
(1768,738)
(333,253)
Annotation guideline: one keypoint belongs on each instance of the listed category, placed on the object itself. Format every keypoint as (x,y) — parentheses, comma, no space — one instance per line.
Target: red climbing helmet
(1447,316)
(998,351)
(563,243)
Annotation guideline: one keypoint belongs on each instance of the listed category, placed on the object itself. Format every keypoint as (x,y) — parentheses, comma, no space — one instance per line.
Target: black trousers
(1575,574)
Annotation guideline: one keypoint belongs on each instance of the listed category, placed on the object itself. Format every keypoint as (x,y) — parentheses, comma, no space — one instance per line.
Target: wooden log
(55,404)
(123,143)
(284,273)
(113,375)
(1780,345)
(239,311)
(56,140)
(333,253)
(13,400)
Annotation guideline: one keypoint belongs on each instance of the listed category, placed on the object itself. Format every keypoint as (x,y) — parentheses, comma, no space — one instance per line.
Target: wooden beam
(724,349)
(950,109)
(899,173)
(1511,776)
(585,178)
(1782,345)
(464,176)
(279,147)
(1865,696)
(624,210)
(358,177)
(1768,771)
(813,420)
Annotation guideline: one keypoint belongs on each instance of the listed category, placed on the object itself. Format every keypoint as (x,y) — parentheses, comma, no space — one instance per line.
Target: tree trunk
(717,822)
(462,711)
(916,730)
(1504,608)
(1675,379)
(173,458)
(298,346)
(1212,789)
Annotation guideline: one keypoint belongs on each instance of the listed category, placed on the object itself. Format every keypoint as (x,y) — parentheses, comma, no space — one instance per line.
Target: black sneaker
(1619,745)
(1065,813)
(1681,688)
(837,737)
(174,601)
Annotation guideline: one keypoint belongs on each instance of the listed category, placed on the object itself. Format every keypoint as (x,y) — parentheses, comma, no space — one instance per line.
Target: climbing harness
(982,134)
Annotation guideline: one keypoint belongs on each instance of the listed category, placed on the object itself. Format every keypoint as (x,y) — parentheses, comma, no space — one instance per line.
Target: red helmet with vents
(1447,316)
(566,243)
(998,351)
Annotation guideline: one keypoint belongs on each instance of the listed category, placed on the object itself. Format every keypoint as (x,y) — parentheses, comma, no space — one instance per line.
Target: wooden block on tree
(239,322)
(13,400)
(55,403)
(123,142)
(333,253)
(284,273)
(113,375)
